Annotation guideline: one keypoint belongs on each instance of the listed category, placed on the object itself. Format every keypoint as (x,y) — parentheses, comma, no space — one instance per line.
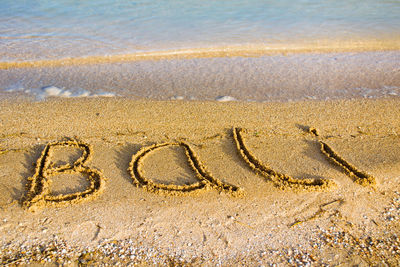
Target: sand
(185,182)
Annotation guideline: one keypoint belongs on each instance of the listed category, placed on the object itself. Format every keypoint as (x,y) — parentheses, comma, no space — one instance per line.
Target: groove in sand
(206,180)
(280,180)
(39,191)
(358,176)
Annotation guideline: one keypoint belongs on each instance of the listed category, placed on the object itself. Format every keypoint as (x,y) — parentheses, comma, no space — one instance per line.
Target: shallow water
(269,78)
(44,29)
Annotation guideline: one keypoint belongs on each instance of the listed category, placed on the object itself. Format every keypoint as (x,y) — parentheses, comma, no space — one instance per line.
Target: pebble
(130,251)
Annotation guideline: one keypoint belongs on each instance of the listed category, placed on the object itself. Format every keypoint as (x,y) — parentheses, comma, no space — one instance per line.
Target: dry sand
(298,183)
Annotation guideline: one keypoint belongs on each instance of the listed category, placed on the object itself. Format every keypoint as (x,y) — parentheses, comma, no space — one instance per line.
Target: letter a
(206,180)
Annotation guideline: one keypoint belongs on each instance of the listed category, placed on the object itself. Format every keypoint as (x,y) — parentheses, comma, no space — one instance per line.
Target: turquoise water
(42,29)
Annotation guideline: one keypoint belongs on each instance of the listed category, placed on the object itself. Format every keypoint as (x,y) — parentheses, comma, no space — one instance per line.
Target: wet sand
(292,77)
(191,182)
(255,50)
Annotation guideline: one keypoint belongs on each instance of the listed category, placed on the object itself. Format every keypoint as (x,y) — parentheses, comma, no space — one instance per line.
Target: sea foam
(54,91)
(225,98)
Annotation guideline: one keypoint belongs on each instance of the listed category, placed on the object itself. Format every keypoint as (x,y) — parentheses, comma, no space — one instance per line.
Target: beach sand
(187,182)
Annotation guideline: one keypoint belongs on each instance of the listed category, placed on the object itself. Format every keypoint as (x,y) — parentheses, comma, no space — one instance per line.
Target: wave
(222,51)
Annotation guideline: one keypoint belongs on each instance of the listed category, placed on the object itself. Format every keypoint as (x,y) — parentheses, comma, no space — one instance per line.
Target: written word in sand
(39,190)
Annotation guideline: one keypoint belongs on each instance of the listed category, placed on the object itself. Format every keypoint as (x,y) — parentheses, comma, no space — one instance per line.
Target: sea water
(42,29)
(66,33)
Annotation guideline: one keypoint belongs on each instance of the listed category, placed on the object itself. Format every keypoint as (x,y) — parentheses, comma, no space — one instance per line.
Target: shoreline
(213,52)
(267,78)
(352,223)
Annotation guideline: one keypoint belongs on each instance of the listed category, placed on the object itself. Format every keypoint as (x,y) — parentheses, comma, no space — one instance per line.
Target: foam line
(224,51)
